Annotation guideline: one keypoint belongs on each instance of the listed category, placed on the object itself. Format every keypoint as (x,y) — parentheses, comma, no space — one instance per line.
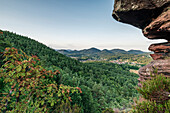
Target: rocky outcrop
(138,12)
(160,48)
(159,28)
(161,51)
(153,17)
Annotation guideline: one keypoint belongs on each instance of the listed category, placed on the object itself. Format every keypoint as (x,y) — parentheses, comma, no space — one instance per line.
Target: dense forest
(103,85)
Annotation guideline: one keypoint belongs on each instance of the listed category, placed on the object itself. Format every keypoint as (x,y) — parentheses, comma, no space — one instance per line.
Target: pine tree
(156,94)
(3,44)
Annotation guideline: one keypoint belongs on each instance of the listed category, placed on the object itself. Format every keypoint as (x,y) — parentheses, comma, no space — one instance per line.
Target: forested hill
(32,47)
(94,54)
(96,51)
(104,85)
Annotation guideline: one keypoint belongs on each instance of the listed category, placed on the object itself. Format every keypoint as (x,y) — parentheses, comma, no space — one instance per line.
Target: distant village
(118,61)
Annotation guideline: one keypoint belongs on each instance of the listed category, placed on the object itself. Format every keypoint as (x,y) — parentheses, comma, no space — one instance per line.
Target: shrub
(108,110)
(28,87)
(156,93)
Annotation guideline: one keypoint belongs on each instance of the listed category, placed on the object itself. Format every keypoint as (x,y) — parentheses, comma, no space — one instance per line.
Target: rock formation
(153,17)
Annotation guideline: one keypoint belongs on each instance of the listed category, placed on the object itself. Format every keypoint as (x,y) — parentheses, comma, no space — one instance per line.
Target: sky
(71,24)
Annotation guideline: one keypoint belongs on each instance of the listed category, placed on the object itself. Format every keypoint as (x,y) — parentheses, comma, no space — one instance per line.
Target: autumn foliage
(28,87)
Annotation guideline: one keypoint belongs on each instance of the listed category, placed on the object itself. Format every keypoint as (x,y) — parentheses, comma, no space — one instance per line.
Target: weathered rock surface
(160,48)
(161,51)
(156,67)
(160,27)
(138,12)
(153,17)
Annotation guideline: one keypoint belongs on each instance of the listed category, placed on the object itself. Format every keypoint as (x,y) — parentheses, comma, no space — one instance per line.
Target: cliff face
(153,17)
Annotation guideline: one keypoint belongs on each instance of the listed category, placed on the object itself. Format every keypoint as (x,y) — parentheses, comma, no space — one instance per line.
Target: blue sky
(70,24)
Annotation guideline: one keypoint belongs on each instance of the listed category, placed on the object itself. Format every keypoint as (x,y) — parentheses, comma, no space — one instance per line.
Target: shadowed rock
(160,27)
(138,12)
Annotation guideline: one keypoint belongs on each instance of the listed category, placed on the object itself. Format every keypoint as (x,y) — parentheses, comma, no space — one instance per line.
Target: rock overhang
(138,13)
(153,17)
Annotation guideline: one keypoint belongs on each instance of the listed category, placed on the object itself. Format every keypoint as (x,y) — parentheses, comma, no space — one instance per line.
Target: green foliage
(108,110)
(3,44)
(156,93)
(111,86)
(103,85)
(151,107)
(28,87)
(156,89)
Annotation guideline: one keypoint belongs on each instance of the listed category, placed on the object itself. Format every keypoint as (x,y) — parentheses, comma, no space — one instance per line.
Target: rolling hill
(109,55)
(93,51)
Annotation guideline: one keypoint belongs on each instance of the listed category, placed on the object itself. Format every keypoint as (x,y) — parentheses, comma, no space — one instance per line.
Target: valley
(103,84)
(119,56)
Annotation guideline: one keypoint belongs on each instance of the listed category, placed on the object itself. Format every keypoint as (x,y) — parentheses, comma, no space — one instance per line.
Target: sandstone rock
(160,48)
(160,27)
(153,17)
(154,68)
(157,56)
(138,12)
(161,51)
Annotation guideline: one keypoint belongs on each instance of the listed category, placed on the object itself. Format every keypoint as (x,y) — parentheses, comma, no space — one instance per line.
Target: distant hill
(90,51)
(98,51)
(136,52)
(119,51)
(105,50)
(105,54)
